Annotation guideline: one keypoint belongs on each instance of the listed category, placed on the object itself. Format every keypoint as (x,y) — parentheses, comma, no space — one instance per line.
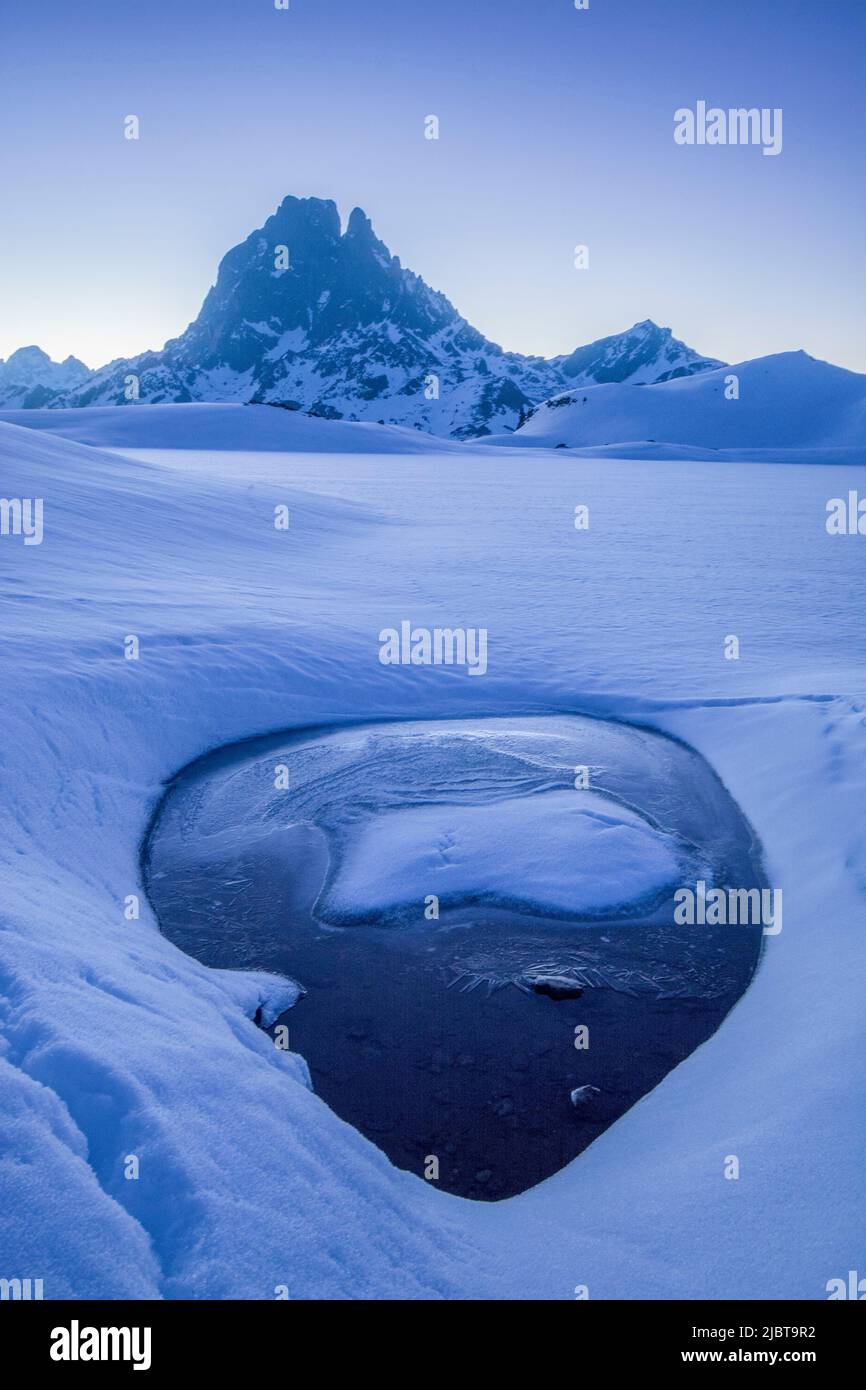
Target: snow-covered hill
(224,426)
(786,401)
(326,321)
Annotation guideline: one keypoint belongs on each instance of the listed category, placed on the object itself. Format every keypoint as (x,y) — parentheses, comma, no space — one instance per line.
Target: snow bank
(117,1046)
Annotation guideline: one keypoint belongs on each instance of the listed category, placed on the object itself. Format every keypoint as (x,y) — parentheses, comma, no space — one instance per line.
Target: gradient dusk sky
(556,128)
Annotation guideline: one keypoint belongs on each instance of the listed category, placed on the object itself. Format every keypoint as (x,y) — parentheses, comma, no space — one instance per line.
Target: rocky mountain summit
(312,317)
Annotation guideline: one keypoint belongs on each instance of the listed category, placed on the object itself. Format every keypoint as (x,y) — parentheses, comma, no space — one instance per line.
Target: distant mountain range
(309,317)
(29,379)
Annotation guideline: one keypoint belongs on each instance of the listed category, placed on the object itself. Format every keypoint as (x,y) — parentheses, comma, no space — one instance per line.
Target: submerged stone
(555,986)
(584,1095)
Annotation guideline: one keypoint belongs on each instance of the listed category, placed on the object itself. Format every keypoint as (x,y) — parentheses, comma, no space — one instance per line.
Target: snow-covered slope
(221,426)
(786,401)
(115,1043)
(326,321)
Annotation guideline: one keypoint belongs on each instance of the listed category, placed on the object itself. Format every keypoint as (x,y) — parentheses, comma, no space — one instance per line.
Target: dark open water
(429,1036)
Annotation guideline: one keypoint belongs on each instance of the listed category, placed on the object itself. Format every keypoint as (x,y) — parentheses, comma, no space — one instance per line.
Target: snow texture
(573,853)
(114,1043)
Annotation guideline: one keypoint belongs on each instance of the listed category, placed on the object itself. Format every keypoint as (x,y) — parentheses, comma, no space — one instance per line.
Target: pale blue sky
(556,128)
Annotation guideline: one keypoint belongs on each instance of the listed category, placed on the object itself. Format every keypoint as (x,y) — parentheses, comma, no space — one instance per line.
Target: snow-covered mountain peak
(29,378)
(643,353)
(309,316)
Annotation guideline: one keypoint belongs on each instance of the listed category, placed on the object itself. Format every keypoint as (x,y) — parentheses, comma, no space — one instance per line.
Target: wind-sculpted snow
(245,429)
(115,1041)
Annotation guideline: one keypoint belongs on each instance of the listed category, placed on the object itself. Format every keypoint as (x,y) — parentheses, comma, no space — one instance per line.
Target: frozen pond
(481,914)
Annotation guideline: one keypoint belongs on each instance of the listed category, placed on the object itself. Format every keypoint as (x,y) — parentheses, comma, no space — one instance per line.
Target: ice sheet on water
(483,812)
(356,827)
